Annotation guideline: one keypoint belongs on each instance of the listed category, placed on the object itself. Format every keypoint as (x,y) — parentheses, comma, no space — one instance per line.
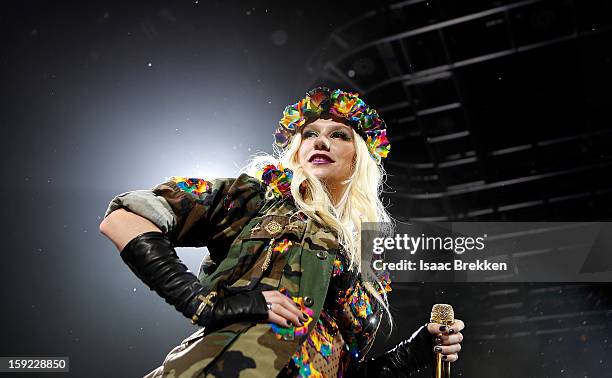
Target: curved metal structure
(496,109)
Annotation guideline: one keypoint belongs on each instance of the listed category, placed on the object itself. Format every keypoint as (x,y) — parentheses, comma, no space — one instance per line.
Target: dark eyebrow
(340,128)
(346,129)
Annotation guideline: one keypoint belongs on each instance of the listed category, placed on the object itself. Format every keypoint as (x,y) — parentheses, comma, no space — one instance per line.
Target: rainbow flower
(277,178)
(365,120)
(195,186)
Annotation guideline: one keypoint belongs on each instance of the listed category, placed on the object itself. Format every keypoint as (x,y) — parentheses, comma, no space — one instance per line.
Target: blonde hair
(359,203)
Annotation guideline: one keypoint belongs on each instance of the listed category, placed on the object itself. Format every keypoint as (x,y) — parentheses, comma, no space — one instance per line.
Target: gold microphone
(442,314)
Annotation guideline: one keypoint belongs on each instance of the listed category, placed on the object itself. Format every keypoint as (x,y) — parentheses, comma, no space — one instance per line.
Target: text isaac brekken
(455,265)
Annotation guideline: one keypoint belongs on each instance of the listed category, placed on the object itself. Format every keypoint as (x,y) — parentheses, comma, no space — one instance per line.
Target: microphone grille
(442,314)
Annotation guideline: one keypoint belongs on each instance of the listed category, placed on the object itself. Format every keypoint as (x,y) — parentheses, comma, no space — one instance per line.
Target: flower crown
(363,119)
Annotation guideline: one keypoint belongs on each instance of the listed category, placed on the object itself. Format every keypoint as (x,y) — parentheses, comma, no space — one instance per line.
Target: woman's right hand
(282,310)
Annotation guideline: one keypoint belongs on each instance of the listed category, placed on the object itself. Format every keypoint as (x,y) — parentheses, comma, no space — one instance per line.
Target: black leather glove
(153,259)
(407,359)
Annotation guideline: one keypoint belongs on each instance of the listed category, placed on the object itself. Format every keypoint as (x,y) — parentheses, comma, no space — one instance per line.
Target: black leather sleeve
(153,259)
(408,359)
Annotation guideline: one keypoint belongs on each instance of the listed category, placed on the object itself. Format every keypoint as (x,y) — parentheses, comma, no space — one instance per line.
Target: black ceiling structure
(497,111)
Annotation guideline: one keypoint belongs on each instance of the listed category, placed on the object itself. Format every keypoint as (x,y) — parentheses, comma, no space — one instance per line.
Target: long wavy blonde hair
(359,203)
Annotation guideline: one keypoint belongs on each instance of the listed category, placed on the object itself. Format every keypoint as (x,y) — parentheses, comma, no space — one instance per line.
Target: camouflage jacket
(263,243)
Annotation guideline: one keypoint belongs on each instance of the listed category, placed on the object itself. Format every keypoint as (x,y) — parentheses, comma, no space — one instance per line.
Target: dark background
(497,110)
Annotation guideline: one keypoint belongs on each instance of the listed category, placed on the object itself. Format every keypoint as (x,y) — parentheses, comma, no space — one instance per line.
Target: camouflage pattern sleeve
(147,205)
(210,213)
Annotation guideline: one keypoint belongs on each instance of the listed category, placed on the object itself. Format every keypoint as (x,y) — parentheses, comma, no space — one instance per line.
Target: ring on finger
(269,304)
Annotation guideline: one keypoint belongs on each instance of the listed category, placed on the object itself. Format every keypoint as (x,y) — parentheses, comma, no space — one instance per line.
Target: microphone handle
(442,368)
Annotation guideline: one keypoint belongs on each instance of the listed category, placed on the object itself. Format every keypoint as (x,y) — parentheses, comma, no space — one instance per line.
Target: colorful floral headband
(363,119)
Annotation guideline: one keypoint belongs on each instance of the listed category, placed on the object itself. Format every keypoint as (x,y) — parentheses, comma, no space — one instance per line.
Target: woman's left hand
(448,339)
